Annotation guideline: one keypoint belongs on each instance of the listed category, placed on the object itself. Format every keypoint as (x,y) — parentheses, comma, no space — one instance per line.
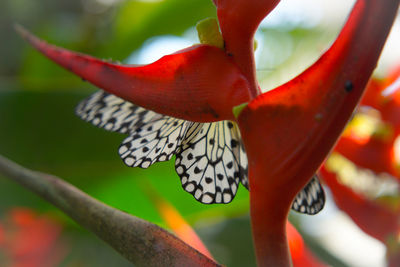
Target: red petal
(376,154)
(361,210)
(200,83)
(373,94)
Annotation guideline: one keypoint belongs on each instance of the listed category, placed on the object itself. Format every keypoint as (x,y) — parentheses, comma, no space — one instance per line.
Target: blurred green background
(39,130)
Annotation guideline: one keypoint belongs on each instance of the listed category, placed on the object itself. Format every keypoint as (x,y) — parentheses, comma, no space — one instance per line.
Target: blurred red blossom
(386,217)
(378,217)
(28,239)
(301,255)
(364,159)
(370,139)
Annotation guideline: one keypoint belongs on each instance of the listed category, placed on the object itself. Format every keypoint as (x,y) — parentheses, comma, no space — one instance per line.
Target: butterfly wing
(152,137)
(311,199)
(211,162)
(113,113)
(210,157)
(156,141)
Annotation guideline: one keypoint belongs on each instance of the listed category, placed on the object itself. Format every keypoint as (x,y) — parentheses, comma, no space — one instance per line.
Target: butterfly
(210,157)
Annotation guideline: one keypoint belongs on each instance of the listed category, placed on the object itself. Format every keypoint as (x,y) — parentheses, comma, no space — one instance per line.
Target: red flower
(29,240)
(375,149)
(287,132)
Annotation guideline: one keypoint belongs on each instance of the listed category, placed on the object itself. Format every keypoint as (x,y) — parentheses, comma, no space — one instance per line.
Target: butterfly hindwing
(311,199)
(210,163)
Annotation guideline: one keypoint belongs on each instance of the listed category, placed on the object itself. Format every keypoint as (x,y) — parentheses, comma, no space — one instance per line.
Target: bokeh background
(39,130)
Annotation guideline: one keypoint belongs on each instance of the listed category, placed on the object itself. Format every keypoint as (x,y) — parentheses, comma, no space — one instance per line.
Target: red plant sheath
(200,83)
(288,131)
(239,20)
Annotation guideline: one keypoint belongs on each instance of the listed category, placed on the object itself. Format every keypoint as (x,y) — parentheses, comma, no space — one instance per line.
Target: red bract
(288,131)
(200,83)
(239,20)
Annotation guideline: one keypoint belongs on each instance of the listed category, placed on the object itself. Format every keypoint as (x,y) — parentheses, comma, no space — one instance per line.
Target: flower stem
(270,240)
(268,221)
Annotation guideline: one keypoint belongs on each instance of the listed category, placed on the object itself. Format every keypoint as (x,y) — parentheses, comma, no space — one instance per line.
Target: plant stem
(268,221)
(141,242)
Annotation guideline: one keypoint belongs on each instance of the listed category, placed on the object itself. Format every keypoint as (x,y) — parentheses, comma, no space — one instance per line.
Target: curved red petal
(200,83)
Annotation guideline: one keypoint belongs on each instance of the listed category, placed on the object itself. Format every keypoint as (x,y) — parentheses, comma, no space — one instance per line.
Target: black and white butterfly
(210,157)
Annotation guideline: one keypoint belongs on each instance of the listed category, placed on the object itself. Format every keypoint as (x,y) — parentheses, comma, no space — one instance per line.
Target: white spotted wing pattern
(210,157)
(311,199)
(211,161)
(152,136)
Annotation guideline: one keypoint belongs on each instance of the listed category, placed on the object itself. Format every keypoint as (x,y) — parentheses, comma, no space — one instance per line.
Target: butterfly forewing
(113,113)
(152,137)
